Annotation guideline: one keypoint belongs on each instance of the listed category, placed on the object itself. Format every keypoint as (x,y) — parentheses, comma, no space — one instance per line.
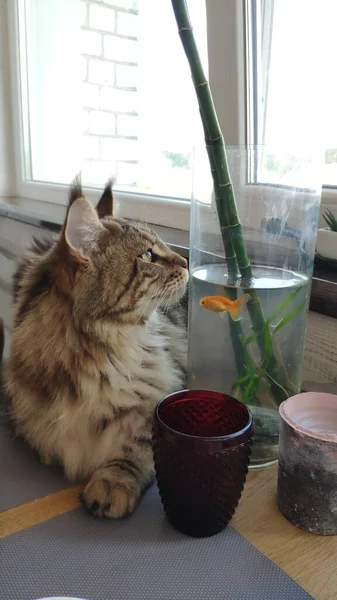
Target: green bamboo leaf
(240,381)
(244,378)
(251,338)
(278,384)
(253,387)
(284,304)
(268,345)
(249,362)
(267,337)
(250,391)
(288,317)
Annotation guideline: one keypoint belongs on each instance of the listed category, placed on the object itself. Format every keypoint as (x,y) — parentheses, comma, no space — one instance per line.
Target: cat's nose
(183,262)
(179,260)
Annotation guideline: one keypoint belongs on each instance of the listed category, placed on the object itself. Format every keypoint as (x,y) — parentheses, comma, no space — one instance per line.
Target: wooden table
(309,559)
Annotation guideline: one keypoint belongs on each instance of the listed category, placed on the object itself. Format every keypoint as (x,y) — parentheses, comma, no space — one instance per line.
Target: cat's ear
(105,205)
(82,227)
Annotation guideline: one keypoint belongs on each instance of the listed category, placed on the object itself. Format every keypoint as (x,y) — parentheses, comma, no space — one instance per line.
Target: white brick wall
(127,4)
(102,123)
(84,14)
(118,100)
(101,71)
(126,76)
(109,91)
(85,121)
(91,42)
(102,17)
(127,24)
(90,95)
(119,149)
(90,146)
(119,48)
(97,172)
(127,125)
(84,68)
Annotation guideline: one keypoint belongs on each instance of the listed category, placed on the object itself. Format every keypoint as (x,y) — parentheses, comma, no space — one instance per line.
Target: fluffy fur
(94,347)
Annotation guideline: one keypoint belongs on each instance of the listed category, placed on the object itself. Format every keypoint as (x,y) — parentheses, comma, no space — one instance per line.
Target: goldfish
(221,304)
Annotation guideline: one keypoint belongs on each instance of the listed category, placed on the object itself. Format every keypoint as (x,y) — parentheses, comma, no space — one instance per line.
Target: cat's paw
(105,497)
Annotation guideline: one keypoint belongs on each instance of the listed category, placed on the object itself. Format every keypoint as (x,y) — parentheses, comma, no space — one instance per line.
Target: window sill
(49,217)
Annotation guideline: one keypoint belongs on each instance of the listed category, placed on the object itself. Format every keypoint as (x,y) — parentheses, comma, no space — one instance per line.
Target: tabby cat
(94,347)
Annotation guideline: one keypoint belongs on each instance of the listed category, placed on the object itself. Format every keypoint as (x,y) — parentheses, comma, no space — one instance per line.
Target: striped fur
(97,341)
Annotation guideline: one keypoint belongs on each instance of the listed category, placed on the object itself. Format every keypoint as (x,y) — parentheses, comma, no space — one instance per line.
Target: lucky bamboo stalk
(233,269)
(235,328)
(224,194)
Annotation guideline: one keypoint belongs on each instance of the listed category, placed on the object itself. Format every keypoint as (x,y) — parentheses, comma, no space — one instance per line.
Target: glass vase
(247,331)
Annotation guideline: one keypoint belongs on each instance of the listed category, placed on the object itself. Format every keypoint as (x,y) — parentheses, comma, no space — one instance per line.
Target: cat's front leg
(115,489)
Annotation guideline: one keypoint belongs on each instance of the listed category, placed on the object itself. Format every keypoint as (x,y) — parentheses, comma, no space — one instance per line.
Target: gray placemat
(22,476)
(140,558)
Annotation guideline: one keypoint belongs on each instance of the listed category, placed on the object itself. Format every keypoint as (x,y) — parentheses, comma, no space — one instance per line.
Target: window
(293,91)
(106,90)
(103,87)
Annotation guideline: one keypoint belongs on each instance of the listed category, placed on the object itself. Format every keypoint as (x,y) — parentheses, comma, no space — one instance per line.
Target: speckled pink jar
(307,477)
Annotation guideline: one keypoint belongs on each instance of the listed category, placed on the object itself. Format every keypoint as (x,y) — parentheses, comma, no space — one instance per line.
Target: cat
(95,346)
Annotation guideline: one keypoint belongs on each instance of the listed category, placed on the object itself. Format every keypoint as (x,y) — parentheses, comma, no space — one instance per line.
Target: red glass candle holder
(202,444)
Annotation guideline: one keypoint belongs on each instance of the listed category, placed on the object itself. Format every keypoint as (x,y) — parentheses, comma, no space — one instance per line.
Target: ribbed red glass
(202,444)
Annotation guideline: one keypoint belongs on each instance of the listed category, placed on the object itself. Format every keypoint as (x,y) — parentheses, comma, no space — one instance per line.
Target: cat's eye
(148,256)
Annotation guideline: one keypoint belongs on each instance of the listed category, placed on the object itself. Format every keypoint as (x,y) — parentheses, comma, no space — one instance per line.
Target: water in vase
(230,356)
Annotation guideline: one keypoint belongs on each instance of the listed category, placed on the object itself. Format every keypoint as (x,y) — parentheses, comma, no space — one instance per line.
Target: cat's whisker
(161,298)
(168,305)
(111,310)
(158,291)
(146,306)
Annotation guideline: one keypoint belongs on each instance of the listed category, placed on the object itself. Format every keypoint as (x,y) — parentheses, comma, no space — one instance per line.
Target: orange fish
(221,304)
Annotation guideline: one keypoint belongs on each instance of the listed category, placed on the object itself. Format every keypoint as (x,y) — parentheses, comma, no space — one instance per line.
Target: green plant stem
(232,264)
(226,204)
(235,328)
